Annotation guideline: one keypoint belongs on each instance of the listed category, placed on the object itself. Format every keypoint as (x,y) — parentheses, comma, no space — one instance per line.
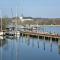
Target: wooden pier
(41,35)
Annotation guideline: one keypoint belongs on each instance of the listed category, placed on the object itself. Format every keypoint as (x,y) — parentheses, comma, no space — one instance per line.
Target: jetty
(33,32)
(41,35)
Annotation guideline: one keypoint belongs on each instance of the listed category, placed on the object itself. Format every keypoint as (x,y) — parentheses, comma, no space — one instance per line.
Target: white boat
(17,33)
(1,33)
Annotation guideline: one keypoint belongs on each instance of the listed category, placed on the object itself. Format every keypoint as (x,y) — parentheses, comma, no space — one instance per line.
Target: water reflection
(19,47)
(38,43)
(32,43)
(59,49)
(59,46)
(11,37)
(2,41)
(44,45)
(51,47)
(2,37)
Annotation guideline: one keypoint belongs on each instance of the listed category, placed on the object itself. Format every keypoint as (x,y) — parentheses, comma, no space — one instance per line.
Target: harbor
(29,30)
(39,32)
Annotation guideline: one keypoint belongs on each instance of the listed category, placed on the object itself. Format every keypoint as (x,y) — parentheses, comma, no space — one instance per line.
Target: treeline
(41,21)
(5,22)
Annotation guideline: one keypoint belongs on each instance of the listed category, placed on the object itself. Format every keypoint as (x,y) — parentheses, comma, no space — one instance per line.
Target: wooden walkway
(55,36)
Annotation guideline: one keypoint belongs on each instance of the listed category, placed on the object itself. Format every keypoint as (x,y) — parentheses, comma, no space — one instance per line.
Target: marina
(39,32)
(29,30)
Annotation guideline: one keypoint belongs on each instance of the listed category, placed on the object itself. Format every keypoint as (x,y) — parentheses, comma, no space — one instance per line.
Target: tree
(5,22)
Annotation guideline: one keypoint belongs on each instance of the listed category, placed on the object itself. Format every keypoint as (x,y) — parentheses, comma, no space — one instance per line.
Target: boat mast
(12,12)
(16,19)
(12,15)
(1,21)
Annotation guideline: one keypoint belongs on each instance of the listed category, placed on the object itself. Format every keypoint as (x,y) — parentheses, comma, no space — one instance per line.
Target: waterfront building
(26,18)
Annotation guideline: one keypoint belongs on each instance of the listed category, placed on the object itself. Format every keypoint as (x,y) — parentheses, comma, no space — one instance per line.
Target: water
(50,29)
(43,28)
(27,48)
(24,48)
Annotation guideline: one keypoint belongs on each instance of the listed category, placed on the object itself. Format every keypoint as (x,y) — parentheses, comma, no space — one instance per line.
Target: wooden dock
(41,35)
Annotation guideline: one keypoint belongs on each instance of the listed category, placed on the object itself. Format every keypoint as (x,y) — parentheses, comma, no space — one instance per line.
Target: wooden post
(22,34)
(38,41)
(50,39)
(38,37)
(28,37)
(44,37)
(44,43)
(59,41)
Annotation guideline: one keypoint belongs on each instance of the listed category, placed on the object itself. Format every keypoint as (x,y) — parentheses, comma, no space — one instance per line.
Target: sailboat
(17,33)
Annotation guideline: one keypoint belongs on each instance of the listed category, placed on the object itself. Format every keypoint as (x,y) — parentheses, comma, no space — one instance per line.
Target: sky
(33,8)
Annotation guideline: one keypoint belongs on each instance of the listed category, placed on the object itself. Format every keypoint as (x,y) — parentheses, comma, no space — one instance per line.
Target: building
(26,18)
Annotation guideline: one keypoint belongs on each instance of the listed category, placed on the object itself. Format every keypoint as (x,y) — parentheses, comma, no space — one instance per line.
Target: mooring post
(44,43)
(51,44)
(44,37)
(38,37)
(50,39)
(25,35)
(22,34)
(28,36)
(38,41)
(59,41)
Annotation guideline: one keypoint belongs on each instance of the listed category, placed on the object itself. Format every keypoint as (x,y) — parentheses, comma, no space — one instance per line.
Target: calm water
(24,48)
(50,29)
